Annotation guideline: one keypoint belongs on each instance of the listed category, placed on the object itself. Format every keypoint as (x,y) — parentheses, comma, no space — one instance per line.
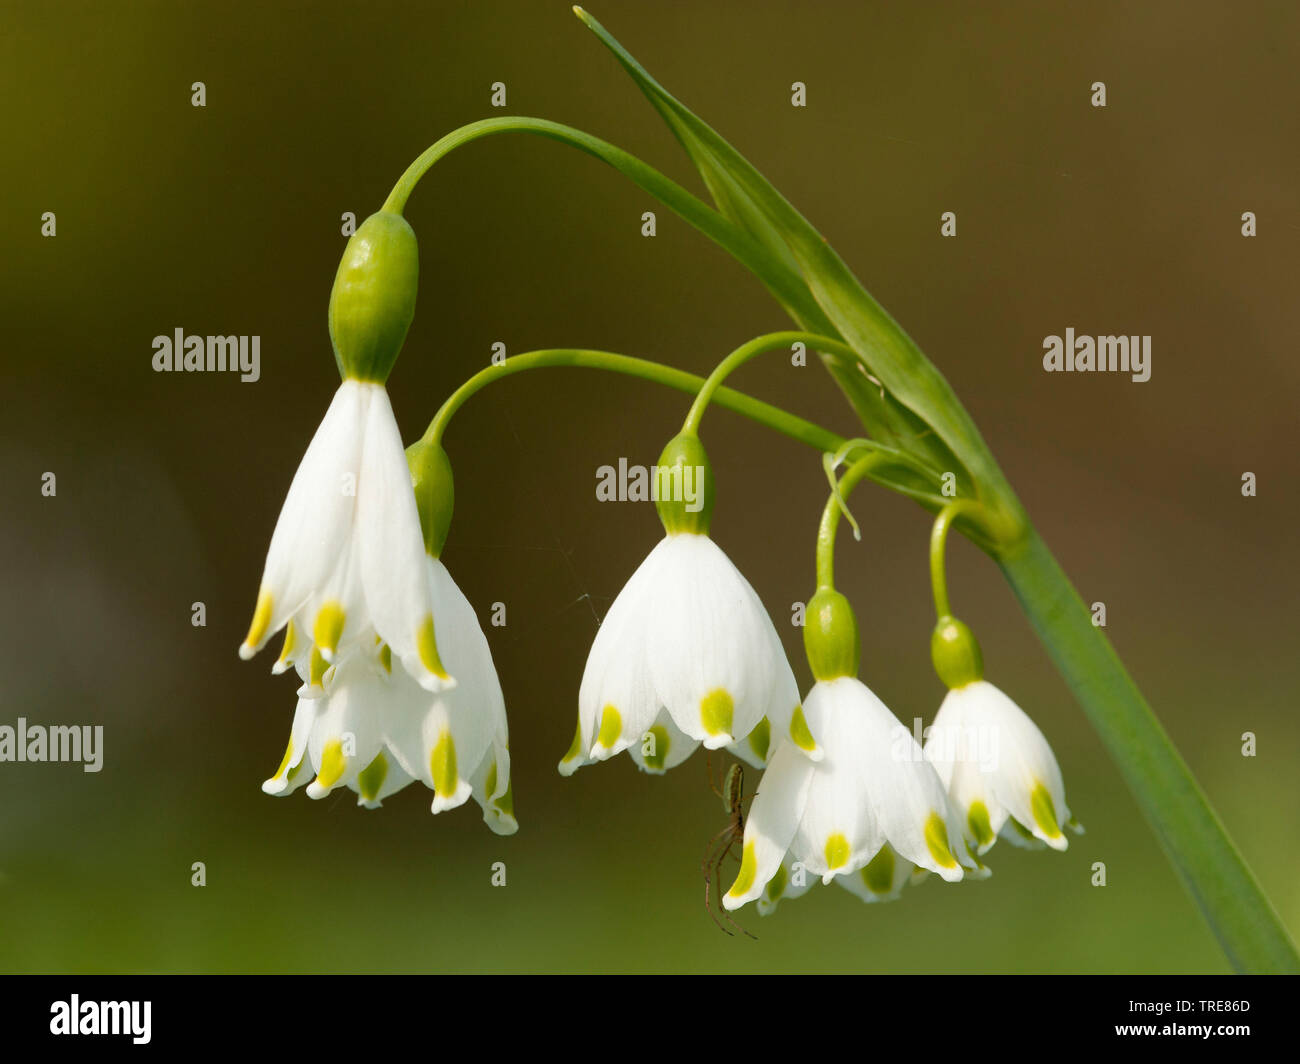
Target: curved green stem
(830,522)
(938,546)
(777,276)
(758,346)
(754,409)
(772,270)
(921,413)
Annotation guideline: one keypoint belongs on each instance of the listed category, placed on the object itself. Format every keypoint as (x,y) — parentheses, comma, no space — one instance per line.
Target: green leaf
(721,166)
(918,411)
(920,414)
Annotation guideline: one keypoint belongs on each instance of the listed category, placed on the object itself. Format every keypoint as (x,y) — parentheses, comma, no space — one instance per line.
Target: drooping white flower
(1000,771)
(373,729)
(686,655)
(873,793)
(347,552)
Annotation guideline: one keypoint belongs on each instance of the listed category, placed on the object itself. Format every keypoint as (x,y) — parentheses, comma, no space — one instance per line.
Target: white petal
(491,784)
(911,802)
(421,733)
(316,521)
(755,747)
(784,710)
(442,738)
(336,616)
(492,790)
(382,777)
(792,880)
(773,817)
(294,651)
(295,767)
(1019,835)
(662,746)
(616,703)
(480,714)
(392,555)
(348,731)
(872,758)
(840,830)
(964,756)
(1023,776)
(710,643)
(616,676)
(881,879)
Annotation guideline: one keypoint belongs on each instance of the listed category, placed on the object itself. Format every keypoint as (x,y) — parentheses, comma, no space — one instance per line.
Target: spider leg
(711,848)
(708,767)
(710,870)
(738,836)
(711,876)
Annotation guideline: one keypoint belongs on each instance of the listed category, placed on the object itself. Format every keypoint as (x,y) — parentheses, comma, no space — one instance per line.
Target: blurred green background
(226,219)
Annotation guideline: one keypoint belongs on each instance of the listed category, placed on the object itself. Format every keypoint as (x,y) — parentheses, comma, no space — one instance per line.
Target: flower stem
(777,276)
(819,287)
(1192,836)
(830,522)
(938,546)
(758,346)
(764,413)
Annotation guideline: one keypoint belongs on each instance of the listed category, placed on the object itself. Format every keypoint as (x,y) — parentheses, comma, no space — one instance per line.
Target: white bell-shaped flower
(998,768)
(347,551)
(373,729)
(872,790)
(686,655)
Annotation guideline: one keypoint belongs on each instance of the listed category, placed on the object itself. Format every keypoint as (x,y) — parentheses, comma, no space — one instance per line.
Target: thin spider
(723,844)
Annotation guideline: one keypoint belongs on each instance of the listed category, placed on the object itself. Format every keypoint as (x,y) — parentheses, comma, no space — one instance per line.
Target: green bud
(830,636)
(373,300)
(435,495)
(684,486)
(956,653)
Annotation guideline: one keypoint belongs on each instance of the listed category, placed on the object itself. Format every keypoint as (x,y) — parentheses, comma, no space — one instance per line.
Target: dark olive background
(226,220)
